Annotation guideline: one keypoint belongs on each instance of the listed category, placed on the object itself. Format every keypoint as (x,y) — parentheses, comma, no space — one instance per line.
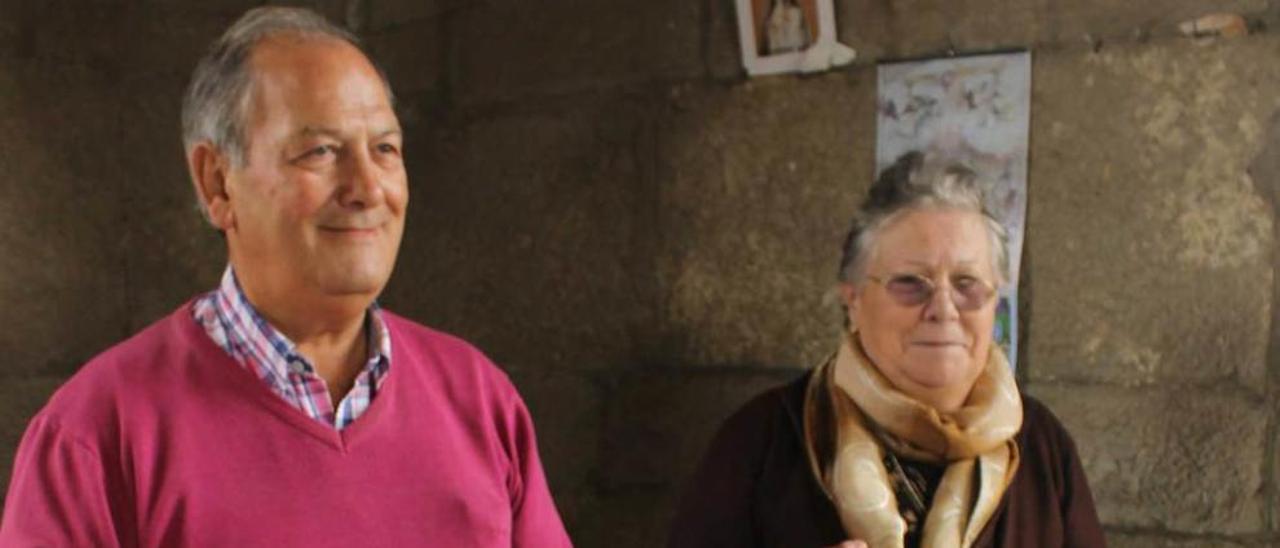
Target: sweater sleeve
(534,519)
(57,496)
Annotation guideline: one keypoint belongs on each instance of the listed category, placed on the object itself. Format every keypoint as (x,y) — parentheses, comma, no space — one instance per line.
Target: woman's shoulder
(1050,497)
(753,483)
(1041,427)
(1048,450)
(766,415)
(758,437)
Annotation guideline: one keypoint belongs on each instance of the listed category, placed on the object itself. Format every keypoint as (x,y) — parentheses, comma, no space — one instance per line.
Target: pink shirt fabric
(164,441)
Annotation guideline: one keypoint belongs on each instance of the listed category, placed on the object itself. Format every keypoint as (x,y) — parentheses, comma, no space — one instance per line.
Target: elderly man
(284,408)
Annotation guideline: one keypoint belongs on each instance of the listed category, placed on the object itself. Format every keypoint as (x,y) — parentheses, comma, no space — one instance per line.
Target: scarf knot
(853,415)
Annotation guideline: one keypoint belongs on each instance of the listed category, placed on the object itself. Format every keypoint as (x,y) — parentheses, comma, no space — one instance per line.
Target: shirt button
(298,368)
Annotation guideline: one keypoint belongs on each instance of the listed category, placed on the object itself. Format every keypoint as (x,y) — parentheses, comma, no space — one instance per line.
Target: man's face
(318,207)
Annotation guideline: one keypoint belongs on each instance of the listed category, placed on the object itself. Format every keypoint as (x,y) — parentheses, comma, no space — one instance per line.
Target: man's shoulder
(119,376)
(148,348)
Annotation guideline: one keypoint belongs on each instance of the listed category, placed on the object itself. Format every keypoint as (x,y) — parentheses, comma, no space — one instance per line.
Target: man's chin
(353,283)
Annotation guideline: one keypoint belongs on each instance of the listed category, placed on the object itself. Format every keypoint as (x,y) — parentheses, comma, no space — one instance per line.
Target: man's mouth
(937,343)
(351,230)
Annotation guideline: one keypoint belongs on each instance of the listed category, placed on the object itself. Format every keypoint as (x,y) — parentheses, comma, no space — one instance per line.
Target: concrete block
(984,25)
(659,423)
(412,55)
(528,233)
(223,8)
(344,13)
(1264,172)
(171,254)
(1079,21)
(1274,496)
(759,184)
(723,52)
(120,41)
(92,119)
(1149,248)
(1157,540)
(60,280)
(12,19)
(634,518)
(888,30)
(392,13)
(912,28)
(1187,460)
(567,411)
(22,398)
(507,49)
(657,426)
(167,44)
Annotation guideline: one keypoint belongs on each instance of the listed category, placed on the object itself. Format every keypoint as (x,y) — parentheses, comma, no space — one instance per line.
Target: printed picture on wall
(780,36)
(976,110)
(784,26)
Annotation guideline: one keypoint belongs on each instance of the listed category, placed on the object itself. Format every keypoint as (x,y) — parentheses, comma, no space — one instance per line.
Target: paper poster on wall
(976,110)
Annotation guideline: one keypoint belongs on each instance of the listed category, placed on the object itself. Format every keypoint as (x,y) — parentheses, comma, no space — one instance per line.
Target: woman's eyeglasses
(967,292)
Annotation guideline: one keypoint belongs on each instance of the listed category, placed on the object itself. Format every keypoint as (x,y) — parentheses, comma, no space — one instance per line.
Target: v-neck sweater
(163,440)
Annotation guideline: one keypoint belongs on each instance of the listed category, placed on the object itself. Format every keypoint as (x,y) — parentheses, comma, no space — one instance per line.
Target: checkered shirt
(235,326)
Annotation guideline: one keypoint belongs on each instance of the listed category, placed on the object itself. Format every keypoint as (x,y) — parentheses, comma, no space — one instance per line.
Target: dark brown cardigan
(754,487)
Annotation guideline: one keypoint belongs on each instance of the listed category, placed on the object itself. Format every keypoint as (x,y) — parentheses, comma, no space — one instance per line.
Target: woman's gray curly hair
(916,181)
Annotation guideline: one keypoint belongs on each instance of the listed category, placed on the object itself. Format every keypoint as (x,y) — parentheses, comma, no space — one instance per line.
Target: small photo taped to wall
(776,34)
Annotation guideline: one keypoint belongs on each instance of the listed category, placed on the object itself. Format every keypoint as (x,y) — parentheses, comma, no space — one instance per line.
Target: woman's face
(932,350)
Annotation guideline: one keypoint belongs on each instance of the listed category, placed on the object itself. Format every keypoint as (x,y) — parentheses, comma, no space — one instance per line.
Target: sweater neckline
(208,354)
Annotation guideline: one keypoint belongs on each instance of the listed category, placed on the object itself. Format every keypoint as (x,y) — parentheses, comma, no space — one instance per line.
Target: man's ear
(210,169)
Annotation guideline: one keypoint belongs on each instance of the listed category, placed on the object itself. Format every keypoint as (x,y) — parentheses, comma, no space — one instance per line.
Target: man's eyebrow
(309,131)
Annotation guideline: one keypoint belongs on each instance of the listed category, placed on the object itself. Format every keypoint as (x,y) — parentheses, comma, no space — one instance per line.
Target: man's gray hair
(916,181)
(214,108)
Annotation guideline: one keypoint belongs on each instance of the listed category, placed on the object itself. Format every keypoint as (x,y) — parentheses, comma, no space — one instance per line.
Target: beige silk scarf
(976,443)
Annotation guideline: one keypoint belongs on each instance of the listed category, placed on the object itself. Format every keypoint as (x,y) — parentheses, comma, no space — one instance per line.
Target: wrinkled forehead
(311,78)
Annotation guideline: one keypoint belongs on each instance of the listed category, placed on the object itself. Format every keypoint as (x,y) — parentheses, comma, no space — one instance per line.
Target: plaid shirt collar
(236,326)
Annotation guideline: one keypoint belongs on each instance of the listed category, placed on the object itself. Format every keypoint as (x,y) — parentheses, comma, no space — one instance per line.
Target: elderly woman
(913,433)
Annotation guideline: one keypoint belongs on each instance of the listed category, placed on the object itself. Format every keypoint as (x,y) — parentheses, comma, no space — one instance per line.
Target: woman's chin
(938,375)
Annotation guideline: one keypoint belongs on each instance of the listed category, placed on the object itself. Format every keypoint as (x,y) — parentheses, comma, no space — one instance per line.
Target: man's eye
(322,153)
(387,148)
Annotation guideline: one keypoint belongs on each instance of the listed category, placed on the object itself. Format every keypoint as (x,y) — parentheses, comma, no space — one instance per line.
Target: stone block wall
(644,238)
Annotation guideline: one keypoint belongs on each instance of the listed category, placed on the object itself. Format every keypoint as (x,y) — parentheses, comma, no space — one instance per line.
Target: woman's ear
(849,302)
(848,295)
(209,169)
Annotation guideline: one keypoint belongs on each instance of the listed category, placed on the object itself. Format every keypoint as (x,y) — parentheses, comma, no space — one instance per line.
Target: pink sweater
(164,441)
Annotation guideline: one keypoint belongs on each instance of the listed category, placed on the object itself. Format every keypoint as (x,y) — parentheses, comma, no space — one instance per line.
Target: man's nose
(362,182)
